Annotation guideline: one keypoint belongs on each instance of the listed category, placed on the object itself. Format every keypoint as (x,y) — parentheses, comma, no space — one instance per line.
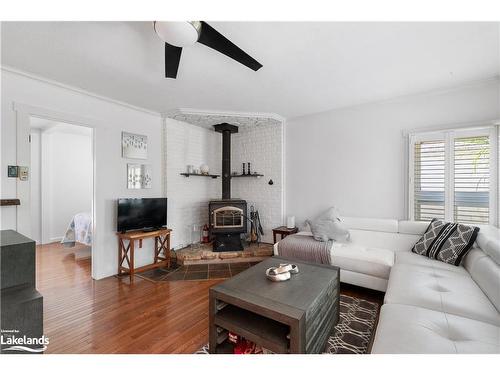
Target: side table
(126,251)
(283,231)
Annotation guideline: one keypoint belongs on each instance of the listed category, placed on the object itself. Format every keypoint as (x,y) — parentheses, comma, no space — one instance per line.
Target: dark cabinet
(21,320)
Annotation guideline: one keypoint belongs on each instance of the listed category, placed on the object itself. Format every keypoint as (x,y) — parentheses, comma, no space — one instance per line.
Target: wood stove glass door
(228,217)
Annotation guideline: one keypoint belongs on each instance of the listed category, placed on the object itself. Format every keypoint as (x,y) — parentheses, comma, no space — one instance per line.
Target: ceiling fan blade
(213,39)
(172,59)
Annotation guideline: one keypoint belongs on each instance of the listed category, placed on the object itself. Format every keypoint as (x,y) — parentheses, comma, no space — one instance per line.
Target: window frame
(448,136)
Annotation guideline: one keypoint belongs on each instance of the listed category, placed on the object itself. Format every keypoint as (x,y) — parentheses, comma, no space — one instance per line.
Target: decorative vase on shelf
(204,169)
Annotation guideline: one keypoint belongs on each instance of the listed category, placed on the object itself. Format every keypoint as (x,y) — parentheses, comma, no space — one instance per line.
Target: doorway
(61,196)
(46,228)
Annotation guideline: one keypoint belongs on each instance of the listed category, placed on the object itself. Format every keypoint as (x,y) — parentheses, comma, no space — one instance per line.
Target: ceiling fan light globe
(178,33)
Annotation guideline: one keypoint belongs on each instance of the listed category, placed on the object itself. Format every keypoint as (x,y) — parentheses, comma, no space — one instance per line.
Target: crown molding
(78,90)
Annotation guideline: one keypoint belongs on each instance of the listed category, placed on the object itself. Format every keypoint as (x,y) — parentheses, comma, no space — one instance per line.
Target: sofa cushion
(447,242)
(383,240)
(418,260)
(379,225)
(441,290)
(412,227)
(486,273)
(488,239)
(366,260)
(408,329)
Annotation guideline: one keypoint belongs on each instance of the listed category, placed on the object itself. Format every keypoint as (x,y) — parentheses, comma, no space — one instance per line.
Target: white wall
(63,156)
(188,197)
(262,146)
(110,119)
(354,157)
(36,204)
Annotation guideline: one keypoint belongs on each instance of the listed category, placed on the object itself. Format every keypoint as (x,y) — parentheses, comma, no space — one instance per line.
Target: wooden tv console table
(126,250)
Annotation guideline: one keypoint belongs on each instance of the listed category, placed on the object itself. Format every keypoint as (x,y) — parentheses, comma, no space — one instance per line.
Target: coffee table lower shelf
(263,331)
(294,317)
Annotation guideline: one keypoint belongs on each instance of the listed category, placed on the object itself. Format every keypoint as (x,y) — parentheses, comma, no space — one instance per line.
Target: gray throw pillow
(331,214)
(327,229)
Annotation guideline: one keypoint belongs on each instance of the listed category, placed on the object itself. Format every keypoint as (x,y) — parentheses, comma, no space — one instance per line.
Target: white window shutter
(453,175)
(471,180)
(429,180)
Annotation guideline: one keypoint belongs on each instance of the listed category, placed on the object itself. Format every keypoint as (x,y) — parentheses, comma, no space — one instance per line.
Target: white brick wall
(188,197)
(262,146)
(184,144)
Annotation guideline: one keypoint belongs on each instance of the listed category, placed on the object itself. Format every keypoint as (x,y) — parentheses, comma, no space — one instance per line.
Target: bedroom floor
(111,315)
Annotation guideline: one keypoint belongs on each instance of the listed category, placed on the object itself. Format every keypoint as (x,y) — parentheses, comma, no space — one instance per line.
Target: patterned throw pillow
(447,242)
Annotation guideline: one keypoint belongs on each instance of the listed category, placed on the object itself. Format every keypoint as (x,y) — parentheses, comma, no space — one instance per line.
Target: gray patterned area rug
(353,334)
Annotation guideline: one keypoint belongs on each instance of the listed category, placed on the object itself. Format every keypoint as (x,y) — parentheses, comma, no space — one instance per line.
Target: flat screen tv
(141,214)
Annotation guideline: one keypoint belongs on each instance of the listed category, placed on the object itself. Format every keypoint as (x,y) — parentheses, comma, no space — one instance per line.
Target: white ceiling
(308,67)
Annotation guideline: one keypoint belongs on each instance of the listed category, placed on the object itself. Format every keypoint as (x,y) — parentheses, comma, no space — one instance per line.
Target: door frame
(24,112)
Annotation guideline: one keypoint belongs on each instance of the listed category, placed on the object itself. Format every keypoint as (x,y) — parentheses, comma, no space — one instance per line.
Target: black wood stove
(228,217)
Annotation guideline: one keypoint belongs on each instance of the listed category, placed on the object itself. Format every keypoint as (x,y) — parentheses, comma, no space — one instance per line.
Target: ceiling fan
(177,35)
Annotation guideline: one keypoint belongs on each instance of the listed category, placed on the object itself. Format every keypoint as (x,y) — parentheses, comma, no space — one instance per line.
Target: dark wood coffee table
(294,316)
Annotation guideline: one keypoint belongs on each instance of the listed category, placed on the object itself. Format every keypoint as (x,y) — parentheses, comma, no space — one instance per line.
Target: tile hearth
(212,271)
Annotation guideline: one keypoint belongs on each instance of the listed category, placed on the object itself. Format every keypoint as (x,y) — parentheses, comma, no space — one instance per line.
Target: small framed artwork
(134,146)
(138,176)
(12,171)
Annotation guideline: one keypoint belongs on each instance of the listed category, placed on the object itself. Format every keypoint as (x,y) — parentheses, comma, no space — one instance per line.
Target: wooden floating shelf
(248,175)
(200,175)
(10,202)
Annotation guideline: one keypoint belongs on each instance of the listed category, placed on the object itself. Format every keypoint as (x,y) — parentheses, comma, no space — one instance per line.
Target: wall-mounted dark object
(200,174)
(271,182)
(12,171)
(247,175)
(243,169)
(10,202)
(249,172)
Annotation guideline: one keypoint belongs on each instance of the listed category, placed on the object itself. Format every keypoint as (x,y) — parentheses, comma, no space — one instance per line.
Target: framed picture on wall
(138,176)
(134,146)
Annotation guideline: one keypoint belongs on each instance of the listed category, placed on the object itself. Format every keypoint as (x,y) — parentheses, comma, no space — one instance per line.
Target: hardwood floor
(82,315)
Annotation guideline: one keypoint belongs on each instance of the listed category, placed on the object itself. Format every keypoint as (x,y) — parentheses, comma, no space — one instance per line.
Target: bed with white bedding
(79,230)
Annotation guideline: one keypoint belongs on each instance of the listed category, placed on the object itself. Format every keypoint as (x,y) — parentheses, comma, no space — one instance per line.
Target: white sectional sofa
(429,306)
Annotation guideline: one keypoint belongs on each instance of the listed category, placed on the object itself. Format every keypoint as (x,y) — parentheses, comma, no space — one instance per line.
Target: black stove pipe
(226,130)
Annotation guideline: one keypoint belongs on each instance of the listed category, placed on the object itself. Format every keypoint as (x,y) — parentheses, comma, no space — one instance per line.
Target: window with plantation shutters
(429,180)
(454,176)
(471,180)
